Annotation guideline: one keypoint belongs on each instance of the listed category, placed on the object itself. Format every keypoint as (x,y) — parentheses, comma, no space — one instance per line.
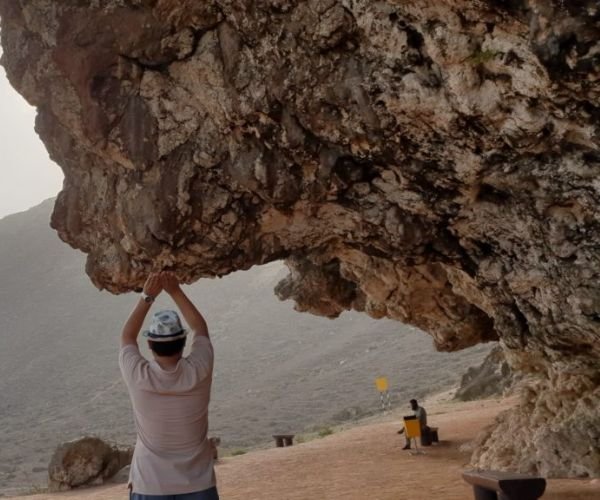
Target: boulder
(85,462)
(494,377)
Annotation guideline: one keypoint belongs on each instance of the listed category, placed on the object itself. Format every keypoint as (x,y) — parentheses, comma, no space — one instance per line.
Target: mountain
(276,370)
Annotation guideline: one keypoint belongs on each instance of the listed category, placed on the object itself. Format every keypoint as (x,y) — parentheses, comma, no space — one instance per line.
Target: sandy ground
(363,461)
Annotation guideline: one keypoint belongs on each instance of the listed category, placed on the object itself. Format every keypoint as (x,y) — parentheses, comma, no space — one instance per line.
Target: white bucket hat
(165,326)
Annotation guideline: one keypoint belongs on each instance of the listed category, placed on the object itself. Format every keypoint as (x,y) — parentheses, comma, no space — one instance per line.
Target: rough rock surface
(85,462)
(493,377)
(432,162)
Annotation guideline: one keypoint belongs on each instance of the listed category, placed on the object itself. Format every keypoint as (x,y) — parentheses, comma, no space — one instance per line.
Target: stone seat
(282,440)
(214,443)
(494,485)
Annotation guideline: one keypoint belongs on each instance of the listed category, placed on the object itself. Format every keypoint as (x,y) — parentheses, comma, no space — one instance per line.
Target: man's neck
(168,363)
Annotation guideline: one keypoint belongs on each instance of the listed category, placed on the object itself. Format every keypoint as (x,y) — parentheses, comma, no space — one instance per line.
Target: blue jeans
(210,494)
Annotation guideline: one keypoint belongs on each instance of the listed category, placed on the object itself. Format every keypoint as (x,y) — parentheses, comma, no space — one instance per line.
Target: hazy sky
(27,175)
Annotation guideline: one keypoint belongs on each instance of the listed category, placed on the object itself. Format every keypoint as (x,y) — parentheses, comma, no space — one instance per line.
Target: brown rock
(85,462)
(433,162)
(493,377)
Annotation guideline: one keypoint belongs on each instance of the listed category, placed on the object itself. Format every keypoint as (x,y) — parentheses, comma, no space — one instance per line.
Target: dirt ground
(362,462)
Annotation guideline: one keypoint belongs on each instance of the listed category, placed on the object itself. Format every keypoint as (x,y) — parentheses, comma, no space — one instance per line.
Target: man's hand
(169,282)
(153,285)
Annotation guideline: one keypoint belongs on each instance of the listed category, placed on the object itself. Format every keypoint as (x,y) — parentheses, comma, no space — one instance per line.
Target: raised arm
(133,325)
(192,316)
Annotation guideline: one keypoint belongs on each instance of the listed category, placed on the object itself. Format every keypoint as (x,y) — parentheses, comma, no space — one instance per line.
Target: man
(170,394)
(421,415)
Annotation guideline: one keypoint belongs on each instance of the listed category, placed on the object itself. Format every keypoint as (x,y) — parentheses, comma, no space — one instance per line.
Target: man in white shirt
(173,459)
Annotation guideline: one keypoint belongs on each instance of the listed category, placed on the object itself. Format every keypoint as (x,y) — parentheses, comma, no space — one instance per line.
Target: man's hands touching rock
(153,285)
(169,282)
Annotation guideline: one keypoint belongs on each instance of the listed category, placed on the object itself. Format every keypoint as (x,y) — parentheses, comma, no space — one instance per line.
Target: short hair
(413,401)
(167,348)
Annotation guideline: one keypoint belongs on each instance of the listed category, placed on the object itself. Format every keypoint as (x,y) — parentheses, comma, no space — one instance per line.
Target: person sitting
(421,415)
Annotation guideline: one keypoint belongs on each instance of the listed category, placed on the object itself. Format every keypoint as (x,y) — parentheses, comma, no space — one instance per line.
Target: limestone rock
(85,462)
(432,162)
(493,377)
(532,438)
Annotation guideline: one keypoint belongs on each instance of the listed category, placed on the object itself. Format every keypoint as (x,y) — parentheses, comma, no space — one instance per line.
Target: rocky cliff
(432,162)
(493,377)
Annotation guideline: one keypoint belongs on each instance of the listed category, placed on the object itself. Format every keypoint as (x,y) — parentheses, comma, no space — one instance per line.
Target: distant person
(421,415)
(173,458)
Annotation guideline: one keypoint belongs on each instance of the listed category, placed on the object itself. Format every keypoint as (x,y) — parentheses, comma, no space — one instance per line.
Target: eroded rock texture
(432,162)
(88,461)
(493,377)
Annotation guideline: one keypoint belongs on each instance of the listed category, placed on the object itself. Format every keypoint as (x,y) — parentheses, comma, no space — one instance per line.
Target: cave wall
(432,162)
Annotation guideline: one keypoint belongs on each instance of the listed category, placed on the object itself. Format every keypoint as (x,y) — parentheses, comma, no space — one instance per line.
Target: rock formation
(432,162)
(493,377)
(85,462)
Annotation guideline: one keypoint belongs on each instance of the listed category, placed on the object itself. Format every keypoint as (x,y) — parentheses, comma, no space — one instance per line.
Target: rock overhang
(432,162)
